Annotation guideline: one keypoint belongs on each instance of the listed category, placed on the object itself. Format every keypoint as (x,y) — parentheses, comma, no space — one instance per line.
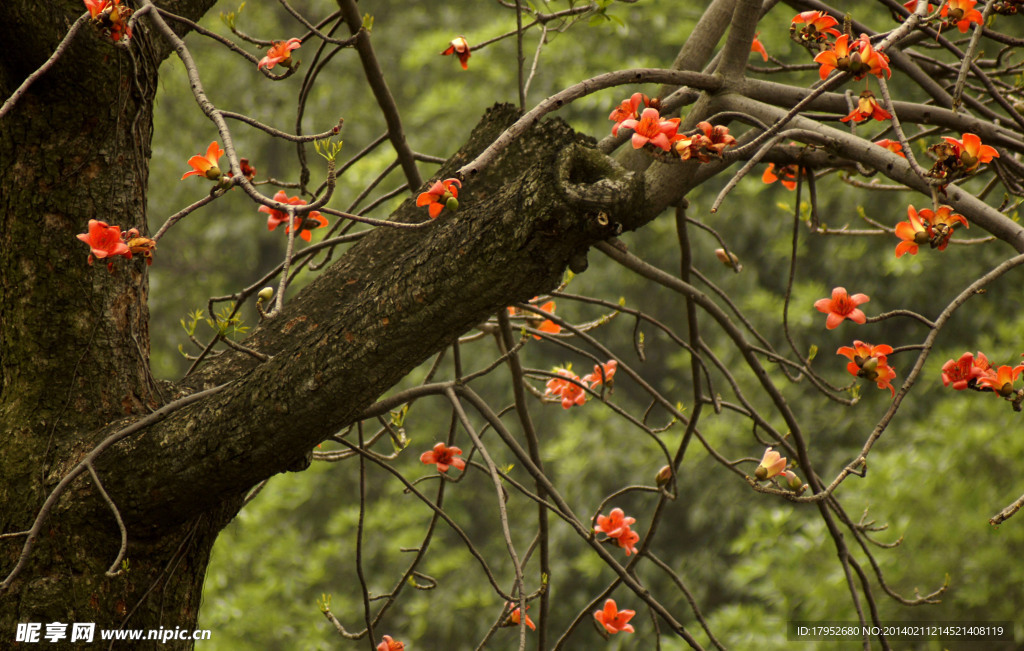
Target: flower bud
(265,294)
(792,482)
(664,476)
(452,204)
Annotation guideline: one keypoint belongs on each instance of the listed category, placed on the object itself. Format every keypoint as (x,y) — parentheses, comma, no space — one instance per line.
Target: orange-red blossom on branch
(613,619)
(441,195)
(927,227)
(460,48)
(444,456)
(304,223)
(817,27)
(111,18)
(870,362)
(514,618)
(390,644)
(280,52)
(867,107)
(107,241)
(962,13)
(842,306)
(858,58)
(207,166)
(616,526)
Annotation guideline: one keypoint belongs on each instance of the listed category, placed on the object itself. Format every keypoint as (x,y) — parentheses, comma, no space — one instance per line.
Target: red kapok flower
(841,306)
(758,46)
(817,26)
(912,232)
(835,58)
(614,524)
(707,141)
(571,393)
(892,145)
(613,619)
(652,129)
(941,223)
(961,12)
(628,541)
(514,618)
(206,166)
(390,644)
(858,58)
(628,110)
(441,195)
(1002,381)
(971,152)
(870,362)
(786,174)
(772,463)
(460,48)
(867,107)
(594,379)
(280,52)
(912,5)
(111,17)
(964,372)
(138,245)
(444,456)
(304,223)
(548,325)
(104,241)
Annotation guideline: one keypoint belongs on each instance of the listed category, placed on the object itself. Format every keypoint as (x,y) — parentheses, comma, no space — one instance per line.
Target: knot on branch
(588,178)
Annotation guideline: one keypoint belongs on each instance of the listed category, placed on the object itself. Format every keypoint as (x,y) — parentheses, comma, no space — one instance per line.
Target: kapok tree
(114,486)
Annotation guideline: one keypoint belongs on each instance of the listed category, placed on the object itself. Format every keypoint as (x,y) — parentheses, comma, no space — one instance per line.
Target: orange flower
(892,145)
(787,174)
(111,17)
(304,223)
(460,48)
(772,463)
(444,457)
(757,46)
(613,619)
(940,225)
(870,362)
(871,61)
(441,195)
(652,129)
(1002,381)
(841,306)
(858,58)
(571,393)
(628,541)
(628,110)
(138,245)
(961,12)
(614,524)
(867,107)
(971,152)
(548,325)
(280,52)
(206,166)
(912,5)
(514,618)
(835,58)
(390,644)
(965,372)
(817,26)
(104,242)
(707,139)
(913,233)
(594,379)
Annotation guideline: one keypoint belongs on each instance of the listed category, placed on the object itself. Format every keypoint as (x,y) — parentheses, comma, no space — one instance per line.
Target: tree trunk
(74,345)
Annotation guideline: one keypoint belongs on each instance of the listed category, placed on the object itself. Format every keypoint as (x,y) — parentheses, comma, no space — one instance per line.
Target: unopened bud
(265,294)
(728,258)
(664,476)
(792,482)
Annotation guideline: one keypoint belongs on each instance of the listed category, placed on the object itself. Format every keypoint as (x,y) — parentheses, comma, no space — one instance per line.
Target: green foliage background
(944,466)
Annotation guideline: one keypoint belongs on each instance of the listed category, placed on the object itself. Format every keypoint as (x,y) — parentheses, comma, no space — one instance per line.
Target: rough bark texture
(74,341)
